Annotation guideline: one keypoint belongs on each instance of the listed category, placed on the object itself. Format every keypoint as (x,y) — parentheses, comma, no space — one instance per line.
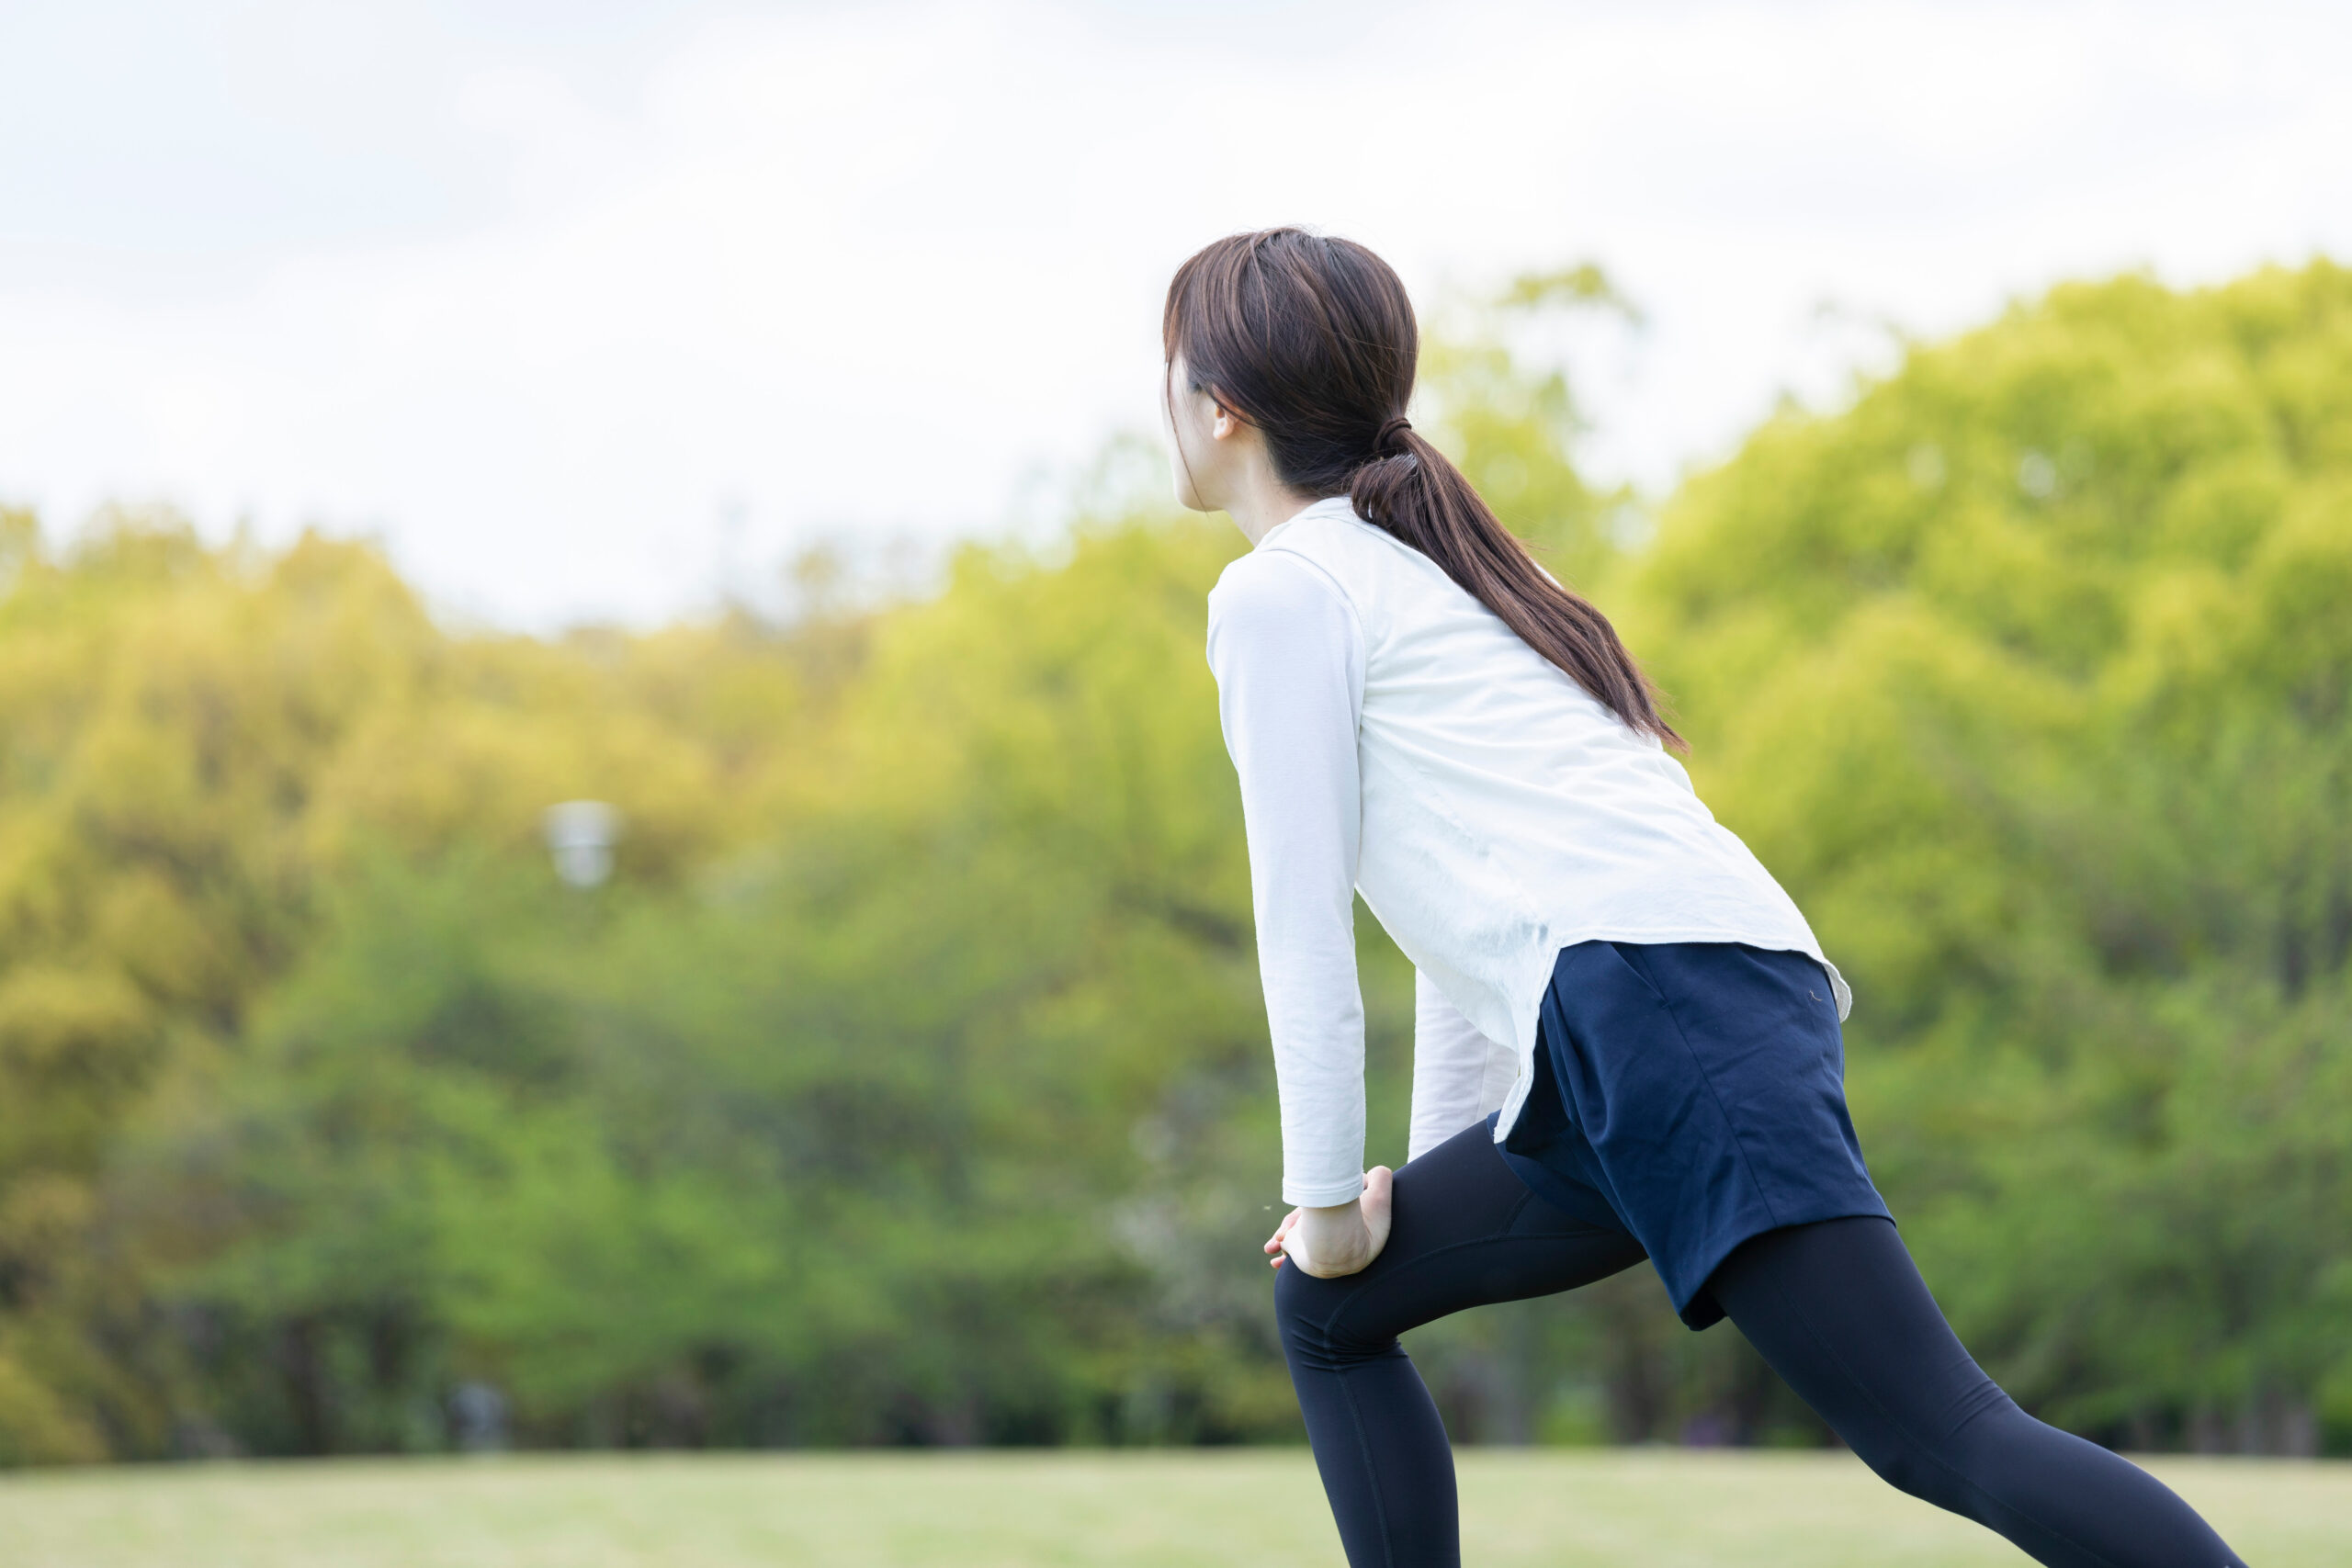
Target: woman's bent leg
(1465,1233)
(1841,1314)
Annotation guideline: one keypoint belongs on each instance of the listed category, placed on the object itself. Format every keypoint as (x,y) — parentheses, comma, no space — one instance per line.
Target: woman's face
(1199,435)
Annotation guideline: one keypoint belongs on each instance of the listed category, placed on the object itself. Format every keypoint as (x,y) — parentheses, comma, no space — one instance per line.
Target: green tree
(200,745)
(908,1082)
(2027,674)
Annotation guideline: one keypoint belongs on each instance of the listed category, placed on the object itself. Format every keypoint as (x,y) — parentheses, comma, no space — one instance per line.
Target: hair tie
(1387,432)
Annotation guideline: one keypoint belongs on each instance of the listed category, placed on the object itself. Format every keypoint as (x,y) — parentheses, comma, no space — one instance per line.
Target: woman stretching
(1626,1041)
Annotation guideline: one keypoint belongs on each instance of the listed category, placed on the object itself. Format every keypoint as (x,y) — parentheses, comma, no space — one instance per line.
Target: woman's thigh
(1465,1233)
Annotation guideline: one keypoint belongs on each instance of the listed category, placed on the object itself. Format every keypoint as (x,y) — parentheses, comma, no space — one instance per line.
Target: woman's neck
(1261,503)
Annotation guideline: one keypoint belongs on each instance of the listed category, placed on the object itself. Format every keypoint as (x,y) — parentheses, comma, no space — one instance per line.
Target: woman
(1627,1039)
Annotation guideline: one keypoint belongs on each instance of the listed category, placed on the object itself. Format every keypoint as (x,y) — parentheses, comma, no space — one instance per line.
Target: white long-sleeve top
(1394,737)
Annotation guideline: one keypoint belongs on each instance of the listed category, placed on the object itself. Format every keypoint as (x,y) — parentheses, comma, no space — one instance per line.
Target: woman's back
(1504,812)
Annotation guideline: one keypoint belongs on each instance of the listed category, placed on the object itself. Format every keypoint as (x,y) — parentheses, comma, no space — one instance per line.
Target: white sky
(542,292)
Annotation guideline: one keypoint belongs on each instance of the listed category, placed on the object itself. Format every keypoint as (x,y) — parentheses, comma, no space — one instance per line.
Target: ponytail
(1411,490)
(1313,340)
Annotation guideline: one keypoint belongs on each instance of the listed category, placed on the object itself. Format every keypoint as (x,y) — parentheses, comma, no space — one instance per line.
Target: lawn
(1640,1509)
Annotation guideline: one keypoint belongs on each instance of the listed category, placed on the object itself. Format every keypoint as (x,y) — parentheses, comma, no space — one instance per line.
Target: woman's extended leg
(1841,1314)
(1464,1232)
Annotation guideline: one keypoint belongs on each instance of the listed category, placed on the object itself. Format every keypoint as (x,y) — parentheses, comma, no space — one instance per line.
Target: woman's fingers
(1275,1242)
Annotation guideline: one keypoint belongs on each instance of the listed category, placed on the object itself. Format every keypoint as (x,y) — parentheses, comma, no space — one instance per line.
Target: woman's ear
(1226,423)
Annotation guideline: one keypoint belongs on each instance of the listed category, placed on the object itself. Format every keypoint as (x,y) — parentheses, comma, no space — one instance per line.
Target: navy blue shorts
(1692,1094)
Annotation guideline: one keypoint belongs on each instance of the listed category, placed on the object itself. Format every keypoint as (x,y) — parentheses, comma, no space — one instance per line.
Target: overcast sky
(543,294)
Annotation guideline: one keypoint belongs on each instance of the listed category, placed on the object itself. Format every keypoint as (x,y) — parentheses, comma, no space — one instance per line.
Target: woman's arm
(1459,1074)
(1289,660)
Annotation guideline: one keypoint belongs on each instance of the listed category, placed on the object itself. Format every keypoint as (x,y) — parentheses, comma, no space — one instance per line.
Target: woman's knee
(1907,1466)
(1954,1471)
(1308,1310)
(1301,1302)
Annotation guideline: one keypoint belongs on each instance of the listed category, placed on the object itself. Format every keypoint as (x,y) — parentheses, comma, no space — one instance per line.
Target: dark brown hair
(1313,341)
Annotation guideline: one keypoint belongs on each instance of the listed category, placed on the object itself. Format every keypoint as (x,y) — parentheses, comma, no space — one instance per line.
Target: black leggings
(1837,1308)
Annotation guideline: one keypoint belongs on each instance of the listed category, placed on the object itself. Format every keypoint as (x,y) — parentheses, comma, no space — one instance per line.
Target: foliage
(906,1083)
(2028,675)
(200,746)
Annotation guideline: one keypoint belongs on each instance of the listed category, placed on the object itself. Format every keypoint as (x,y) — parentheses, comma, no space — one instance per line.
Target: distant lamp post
(580,835)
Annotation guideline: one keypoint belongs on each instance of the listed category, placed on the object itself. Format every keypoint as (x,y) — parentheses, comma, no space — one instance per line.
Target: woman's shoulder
(1272,604)
(1363,562)
(1274,581)
(1325,558)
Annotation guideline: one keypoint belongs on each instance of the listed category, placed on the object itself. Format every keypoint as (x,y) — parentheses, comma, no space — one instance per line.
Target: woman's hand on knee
(1341,1239)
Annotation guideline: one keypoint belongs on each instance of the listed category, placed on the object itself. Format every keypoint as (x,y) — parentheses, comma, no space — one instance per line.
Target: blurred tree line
(907,1082)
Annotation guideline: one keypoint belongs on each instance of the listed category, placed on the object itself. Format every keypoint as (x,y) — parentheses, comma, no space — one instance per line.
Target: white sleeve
(1289,660)
(1459,1074)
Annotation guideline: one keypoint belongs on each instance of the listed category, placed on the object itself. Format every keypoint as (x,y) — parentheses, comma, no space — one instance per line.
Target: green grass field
(1643,1508)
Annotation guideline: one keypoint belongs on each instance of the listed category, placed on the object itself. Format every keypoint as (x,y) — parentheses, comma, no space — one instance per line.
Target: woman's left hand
(1341,1239)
